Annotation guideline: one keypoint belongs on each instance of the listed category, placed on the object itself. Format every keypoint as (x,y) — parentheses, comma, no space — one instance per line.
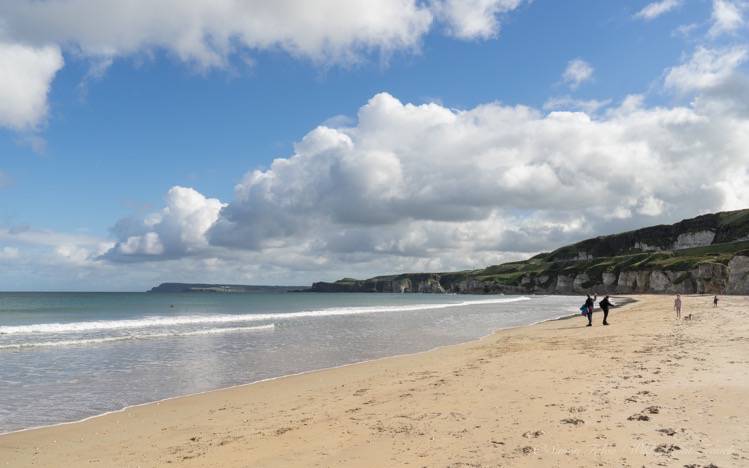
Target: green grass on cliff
(679,260)
(614,253)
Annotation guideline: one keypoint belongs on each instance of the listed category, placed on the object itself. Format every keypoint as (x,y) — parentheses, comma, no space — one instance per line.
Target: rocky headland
(707,254)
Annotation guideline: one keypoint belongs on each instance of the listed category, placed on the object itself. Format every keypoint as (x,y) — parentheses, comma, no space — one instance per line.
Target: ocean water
(68,356)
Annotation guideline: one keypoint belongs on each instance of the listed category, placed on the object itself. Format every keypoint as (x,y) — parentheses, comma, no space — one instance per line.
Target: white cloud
(207,33)
(25,76)
(577,72)
(656,9)
(409,187)
(727,17)
(414,180)
(706,68)
(473,19)
(568,103)
(177,230)
(9,253)
(424,187)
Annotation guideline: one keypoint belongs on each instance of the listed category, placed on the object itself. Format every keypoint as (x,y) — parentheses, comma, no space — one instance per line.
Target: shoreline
(517,397)
(322,369)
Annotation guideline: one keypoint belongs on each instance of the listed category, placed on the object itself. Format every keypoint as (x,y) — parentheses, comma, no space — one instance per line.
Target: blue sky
(111,144)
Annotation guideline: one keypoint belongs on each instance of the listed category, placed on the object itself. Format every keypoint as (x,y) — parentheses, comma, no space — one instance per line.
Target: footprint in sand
(533,434)
(573,421)
(527,450)
(639,417)
(666,449)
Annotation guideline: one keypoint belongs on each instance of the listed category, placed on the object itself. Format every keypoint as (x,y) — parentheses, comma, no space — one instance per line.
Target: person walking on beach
(715,301)
(589,303)
(677,306)
(605,305)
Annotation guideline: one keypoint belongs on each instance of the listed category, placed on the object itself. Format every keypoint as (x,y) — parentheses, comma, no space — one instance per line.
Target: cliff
(706,254)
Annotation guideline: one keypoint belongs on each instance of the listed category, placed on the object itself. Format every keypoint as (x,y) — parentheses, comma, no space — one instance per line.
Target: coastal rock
(710,278)
(633,281)
(400,285)
(659,281)
(581,283)
(430,285)
(645,247)
(584,256)
(564,284)
(738,275)
(689,240)
(608,278)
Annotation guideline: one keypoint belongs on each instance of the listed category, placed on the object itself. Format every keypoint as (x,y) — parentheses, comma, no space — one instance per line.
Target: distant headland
(220,288)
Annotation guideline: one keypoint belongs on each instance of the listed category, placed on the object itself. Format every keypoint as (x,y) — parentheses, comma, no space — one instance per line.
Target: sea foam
(109,339)
(183,320)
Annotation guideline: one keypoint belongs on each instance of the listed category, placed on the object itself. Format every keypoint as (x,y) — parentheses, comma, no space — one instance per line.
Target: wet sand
(647,390)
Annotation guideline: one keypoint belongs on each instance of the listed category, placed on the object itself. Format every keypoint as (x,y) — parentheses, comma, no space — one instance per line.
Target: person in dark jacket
(606,304)
(589,303)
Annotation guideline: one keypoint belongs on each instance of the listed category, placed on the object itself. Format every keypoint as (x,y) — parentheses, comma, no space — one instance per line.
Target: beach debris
(666,430)
(667,448)
(283,430)
(533,434)
(573,421)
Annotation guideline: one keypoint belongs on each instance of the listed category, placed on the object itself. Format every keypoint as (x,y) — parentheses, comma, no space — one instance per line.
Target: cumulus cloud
(177,230)
(25,76)
(473,19)
(706,68)
(411,178)
(656,9)
(577,72)
(207,33)
(414,187)
(727,17)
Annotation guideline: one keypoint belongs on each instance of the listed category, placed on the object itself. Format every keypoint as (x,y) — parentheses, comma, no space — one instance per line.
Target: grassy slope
(616,253)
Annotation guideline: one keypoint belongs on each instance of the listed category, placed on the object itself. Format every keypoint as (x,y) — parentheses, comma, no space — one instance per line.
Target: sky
(289,142)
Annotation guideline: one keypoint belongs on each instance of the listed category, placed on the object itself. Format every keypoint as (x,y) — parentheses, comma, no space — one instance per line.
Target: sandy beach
(646,391)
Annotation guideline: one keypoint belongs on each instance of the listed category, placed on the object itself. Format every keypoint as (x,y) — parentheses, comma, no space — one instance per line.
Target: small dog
(688,317)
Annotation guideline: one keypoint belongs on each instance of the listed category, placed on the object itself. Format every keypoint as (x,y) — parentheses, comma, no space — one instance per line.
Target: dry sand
(646,391)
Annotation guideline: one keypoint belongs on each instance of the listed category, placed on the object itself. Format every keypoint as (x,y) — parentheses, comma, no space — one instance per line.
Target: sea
(69,356)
